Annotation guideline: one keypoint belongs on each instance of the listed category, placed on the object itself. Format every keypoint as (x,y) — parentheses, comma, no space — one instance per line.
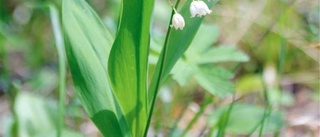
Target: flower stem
(162,59)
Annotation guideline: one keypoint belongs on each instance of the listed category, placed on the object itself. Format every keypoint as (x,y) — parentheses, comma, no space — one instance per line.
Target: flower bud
(199,8)
(177,21)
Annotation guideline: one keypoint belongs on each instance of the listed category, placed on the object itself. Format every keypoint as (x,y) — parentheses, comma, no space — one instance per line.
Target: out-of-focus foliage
(198,60)
(35,117)
(245,118)
(281,38)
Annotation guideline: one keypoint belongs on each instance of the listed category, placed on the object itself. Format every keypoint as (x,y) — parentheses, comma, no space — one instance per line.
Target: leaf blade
(128,63)
(88,44)
(223,54)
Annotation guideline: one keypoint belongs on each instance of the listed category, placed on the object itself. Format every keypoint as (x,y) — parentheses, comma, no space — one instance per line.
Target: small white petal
(177,21)
(204,7)
(193,9)
(199,8)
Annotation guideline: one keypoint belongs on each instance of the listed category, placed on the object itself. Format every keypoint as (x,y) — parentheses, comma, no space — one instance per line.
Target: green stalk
(257,125)
(268,107)
(265,116)
(267,112)
(54,16)
(225,117)
(223,122)
(162,62)
(207,101)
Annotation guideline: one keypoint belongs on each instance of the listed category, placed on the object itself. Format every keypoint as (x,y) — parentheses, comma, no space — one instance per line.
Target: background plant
(275,76)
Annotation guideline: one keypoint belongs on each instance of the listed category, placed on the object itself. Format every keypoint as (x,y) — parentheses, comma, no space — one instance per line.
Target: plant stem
(268,107)
(162,62)
(223,122)
(265,116)
(54,15)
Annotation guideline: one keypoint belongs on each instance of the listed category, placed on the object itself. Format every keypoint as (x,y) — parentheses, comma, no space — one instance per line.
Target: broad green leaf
(88,44)
(128,63)
(244,118)
(183,71)
(206,36)
(177,43)
(215,80)
(223,54)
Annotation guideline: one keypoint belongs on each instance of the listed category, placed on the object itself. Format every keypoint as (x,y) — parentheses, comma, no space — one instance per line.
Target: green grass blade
(55,21)
(128,63)
(88,44)
(223,122)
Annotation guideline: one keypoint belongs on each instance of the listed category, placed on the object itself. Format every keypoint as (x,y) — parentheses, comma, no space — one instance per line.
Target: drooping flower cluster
(197,8)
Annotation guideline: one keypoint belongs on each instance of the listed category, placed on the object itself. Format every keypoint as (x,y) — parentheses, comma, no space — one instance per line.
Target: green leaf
(244,118)
(223,54)
(183,71)
(58,35)
(88,44)
(216,80)
(128,63)
(204,39)
(178,42)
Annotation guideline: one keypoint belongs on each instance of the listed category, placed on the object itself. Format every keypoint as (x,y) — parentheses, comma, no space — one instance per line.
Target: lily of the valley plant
(110,72)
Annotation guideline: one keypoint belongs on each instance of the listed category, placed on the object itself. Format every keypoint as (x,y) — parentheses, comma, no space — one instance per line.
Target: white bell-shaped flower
(199,8)
(177,21)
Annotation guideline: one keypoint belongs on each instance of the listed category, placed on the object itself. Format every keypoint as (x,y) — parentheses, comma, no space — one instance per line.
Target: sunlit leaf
(88,44)
(128,63)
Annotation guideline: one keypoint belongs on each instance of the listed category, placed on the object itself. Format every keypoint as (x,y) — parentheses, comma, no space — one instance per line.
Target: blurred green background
(277,41)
